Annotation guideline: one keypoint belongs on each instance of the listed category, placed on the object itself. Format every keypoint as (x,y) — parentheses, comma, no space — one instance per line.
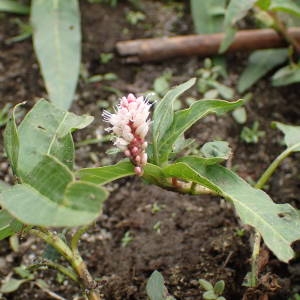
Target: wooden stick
(157,49)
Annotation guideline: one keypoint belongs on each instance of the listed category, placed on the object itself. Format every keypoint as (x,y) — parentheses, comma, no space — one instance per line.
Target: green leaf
(277,223)
(11,141)
(8,225)
(209,295)
(184,119)
(235,11)
(263,4)
(259,64)
(203,160)
(47,130)
(217,149)
(240,115)
(12,285)
(153,174)
(291,134)
(106,174)
(57,43)
(288,6)
(224,91)
(156,286)
(208,15)
(14,7)
(182,143)
(219,287)
(286,75)
(51,190)
(206,284)
(228,39)
(161,85)
(23,272)
(3,185)
(163,113)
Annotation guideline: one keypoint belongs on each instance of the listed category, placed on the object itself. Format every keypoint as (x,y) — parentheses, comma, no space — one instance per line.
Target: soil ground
(184,237)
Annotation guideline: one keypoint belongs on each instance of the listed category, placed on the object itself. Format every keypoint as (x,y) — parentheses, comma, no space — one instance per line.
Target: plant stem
(66,271)
(55,241)
(254,260)
(273,166)
(281,29)
(193,188)
(76,237)
(73,257)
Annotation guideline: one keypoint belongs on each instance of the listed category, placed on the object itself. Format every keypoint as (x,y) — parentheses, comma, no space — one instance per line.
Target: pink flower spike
(130,125)
(138,171)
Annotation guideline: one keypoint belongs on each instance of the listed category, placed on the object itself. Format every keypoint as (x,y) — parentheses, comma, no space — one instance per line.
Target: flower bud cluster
(130,126)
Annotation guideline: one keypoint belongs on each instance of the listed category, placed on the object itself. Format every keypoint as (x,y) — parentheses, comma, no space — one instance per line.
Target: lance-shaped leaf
(11,141)
(8,224)
(14,7)
(291,135)
(235,11)
(208,15)
(47,130)
(11,285)
(184,119)
(50,196)
(287,6)
(106,174)
(286,75)
(259,64)
(163,113)
(277,223)
(57,43)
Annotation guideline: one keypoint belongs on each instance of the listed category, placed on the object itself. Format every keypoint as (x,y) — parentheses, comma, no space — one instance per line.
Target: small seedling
(134,17)
(212,292)
(240,115)
(84,74)
(156,227)
(162,83)
(251,135)
(208,81)
(106,58)
(156,208)
(127,238)
(156,289)
(240,232)
(25,32)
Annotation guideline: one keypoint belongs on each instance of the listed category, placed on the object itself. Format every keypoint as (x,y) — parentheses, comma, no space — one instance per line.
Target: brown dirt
(198,235)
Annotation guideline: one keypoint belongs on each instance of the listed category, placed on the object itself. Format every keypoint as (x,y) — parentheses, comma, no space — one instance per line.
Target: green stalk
(259,185)
(254,260)
(76,237)
(55,241)
(274,165)
(66,271)
(73,257)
